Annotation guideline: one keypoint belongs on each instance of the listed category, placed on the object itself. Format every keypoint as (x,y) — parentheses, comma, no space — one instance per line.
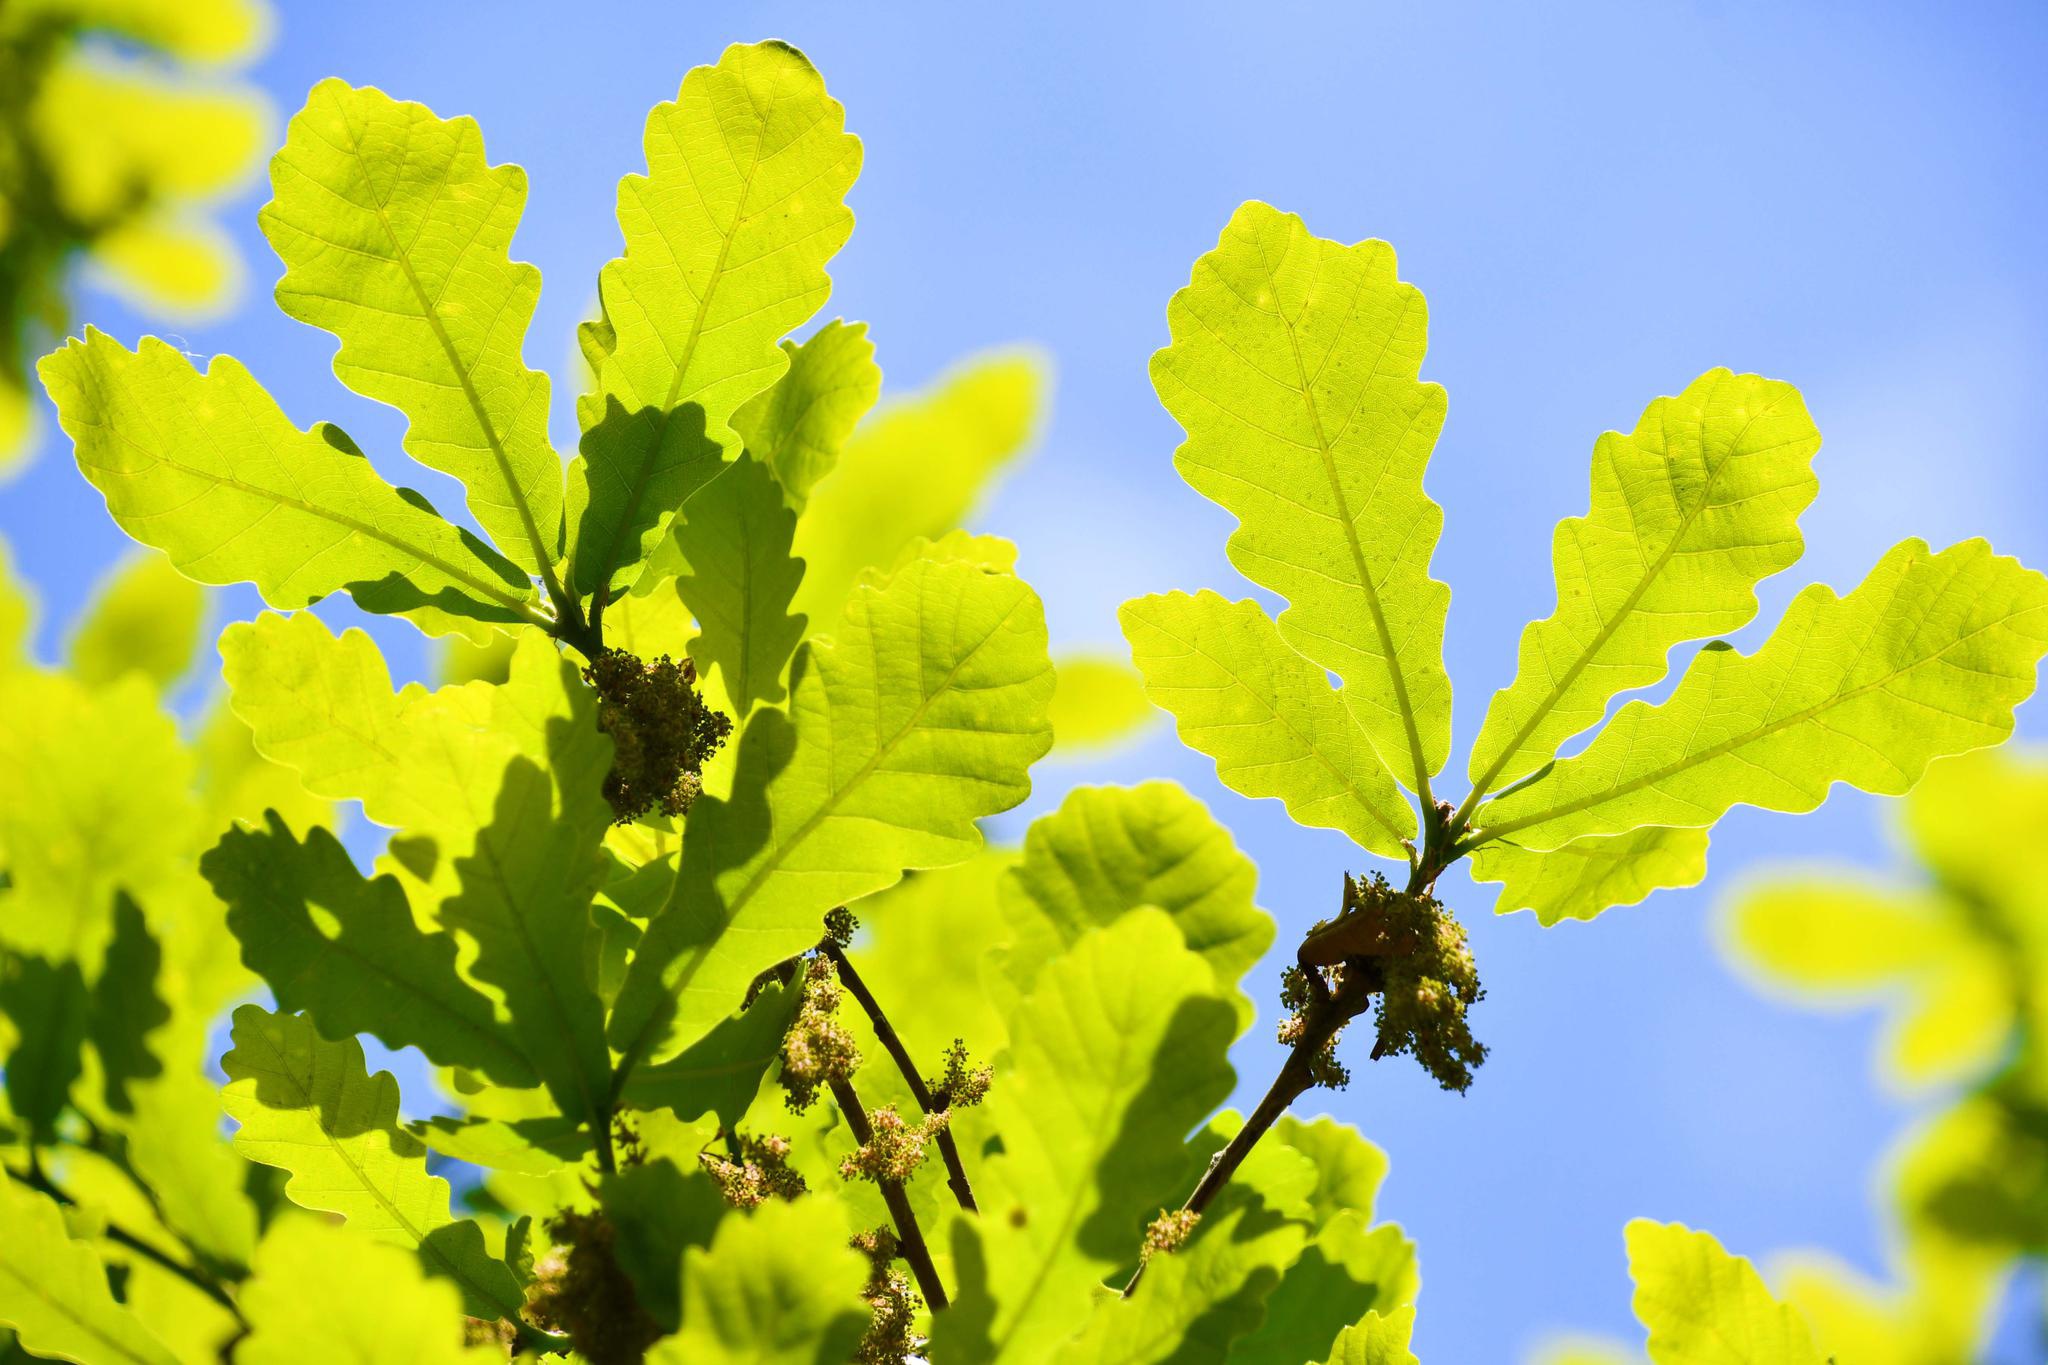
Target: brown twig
(885,1032)
(909,1239)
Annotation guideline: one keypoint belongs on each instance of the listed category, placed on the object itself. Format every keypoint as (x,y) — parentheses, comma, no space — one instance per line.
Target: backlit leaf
(396,234)
(1706,1307)
(727,236)
(1099,702)
(922,715)
(1293,370)
(1377,1340)
(798,427)
(1690,511)
(208,469)
(1268,716)
(1591,874)
(146,619)
(53,1290)
(777,1286)
(1927,657)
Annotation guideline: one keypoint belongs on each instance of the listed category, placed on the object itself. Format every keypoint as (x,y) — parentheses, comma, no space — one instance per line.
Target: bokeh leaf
(53,1290)
(145,618)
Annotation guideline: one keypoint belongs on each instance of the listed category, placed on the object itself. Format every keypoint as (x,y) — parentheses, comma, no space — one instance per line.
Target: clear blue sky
(1600,200)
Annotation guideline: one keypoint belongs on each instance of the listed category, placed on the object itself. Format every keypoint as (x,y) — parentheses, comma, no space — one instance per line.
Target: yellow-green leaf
(1591,874)
(53,1290)
(1706,1307)
(1293,370)
(798,427)
(778,1286)
(145,618)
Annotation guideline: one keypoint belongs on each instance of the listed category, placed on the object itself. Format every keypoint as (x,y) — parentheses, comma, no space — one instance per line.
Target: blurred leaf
(145,618)
(195,1179)
(658,1213)
(1116,1054)
(1268,716)
(1593,874)
(396,234)
(1098,703)
(1689,513)
(128,1007)
(53,1290)
(1706,1307)
(51,1009)
(295,1315)
(202,30)
(798,427)
(1927,657)
(778,1286)
(114,136)
(923,944)
(922,716)
(312,1108)
(185,268)
(17,603)
(1294,370)
(727,237)
(207,468)
(916,467)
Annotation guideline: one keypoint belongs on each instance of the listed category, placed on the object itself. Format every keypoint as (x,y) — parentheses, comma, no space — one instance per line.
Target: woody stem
(910,1241)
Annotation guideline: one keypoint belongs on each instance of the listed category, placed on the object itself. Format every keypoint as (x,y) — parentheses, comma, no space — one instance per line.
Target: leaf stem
(194,1275)
(885,1033)
(908,1237)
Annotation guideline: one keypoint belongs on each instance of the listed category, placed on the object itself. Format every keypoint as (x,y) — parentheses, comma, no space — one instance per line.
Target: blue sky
(1600,200)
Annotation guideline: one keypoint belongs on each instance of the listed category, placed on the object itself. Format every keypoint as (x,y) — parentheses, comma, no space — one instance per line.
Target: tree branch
(909,1239)
(885,1032)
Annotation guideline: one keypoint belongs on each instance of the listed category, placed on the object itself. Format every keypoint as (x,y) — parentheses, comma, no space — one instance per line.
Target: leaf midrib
(64,1310)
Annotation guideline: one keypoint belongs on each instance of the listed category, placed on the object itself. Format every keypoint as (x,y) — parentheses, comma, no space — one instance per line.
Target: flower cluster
(753,1171)
(818,1049)
(662,733)
(1169,1232)
(1424,997)
(961,1084)
(892,1336)
(894,1146)
(579,1289)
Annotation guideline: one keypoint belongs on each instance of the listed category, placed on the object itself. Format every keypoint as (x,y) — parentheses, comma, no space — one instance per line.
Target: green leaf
(1293,370)
(51,1009)
(1706,1307)
(1108,850)
(729,555)
(53,1290)
(1927,657)
(396,235)
(1196,1304)
(1268,716)
(525,903)
(778,1286)
(127,1006)
(1099,703)
(1116,1054)
(721,1072)
(798,427)
(311,1107)
(208,469)
(145,618)
(924,715)
(17,605)
(536,1146)
(658,1213)
(727,236)
(1591,874)
(195,1180)
(1376,1340)
(98,798)
(1348,1168)
(348,953)
(295,1313)
(1689,513)
(918,467)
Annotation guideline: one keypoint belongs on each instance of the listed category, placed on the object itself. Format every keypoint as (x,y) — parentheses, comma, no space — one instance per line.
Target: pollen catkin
(753,1171)
(662,733)
(579,1289)
(818,1049)
(1169,1232)
(894,1148)
(961,1085)
(893,1305)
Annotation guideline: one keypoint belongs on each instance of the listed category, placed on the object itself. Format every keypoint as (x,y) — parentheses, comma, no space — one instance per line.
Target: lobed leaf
(729,556)
(727,236)
(53,1290)
(1706,1307)
(1689,513)
(777,1286)
(1293,369)
(1376,1340)
(924,715)
(396,234)
(798,427)
(1927,657)
(311,1107)
(347,952)
(1592,874)
(1241,695)
(208,469)
(1114,1056)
